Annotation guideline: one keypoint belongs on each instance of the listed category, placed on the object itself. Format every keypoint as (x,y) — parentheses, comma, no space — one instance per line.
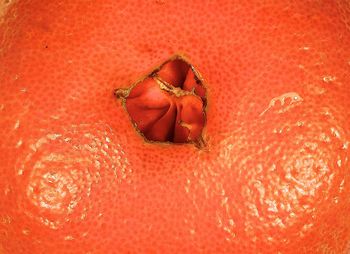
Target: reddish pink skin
(76,177)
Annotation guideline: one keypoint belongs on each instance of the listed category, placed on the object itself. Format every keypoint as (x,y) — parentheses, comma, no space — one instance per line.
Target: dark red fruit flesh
(169,104)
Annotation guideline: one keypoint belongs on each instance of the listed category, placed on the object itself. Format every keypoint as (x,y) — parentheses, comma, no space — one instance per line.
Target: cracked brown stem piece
(168,105)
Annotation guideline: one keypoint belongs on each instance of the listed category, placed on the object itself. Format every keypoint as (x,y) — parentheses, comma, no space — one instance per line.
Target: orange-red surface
(75,177)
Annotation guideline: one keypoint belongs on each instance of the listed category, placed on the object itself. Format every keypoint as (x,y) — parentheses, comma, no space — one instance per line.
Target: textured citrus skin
(77,178)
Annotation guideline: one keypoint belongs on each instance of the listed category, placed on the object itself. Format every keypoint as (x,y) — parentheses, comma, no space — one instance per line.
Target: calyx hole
(168,104)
